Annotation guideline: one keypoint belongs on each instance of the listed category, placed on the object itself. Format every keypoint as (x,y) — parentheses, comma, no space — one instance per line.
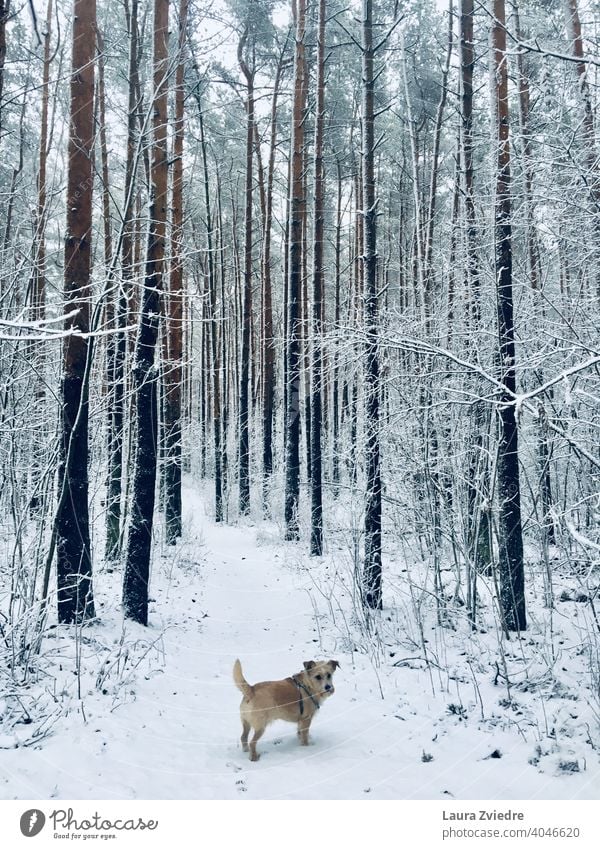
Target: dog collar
(308,693)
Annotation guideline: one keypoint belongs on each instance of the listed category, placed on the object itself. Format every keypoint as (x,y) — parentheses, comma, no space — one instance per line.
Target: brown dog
(294,699)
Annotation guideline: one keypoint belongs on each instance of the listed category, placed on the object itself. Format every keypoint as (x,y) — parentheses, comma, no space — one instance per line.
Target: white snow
(157,716)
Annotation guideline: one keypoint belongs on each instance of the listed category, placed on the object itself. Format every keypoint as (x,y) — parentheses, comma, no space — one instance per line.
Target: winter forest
(299,359)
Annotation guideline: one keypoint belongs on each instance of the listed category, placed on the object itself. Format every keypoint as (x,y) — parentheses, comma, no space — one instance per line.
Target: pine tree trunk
(74,562)
(111,305)
(117,384)
(38,295)
(218,362)
(371,578)
(336,401)
(534,268)
(139,541)
(223,348)
(244,408)
(305,426)
(512,581)
(38,283)
(268,372)
(174,326)
(355,304)
(294,293)
(479,536)
(316,413)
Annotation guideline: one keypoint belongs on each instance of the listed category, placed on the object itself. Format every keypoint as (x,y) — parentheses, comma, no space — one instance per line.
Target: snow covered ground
(153,713)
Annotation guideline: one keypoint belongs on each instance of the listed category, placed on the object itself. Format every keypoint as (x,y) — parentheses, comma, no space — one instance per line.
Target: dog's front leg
(303,727)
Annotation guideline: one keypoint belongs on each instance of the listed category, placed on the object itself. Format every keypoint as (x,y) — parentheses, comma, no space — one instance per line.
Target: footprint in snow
(233,766)
(241,787)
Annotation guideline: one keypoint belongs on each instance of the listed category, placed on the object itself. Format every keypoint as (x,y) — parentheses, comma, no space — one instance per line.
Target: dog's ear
(308,664)
(334,663)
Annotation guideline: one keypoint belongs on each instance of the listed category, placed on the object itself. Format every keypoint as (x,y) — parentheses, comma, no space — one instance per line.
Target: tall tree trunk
(512,580)
(480,555)
(286,295)
(467,62)
(122,296)
(371,578)
(218,362)
(38,283)
(268,373)
(356,308)
(534,268)
(74,562)
(336,401)
(222,355)
(111,297)
(294,283)
(38,294)
(139,541)
(244,408)
(257,328)
(316,382)
(305,426)
(174,327)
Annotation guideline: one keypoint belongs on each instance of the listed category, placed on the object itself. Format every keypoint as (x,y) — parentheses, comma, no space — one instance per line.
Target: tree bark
(38,282)
(316,382)
(371,578)
(511,571)
(467,63)
(173,373)
(478,524)
(38,295)
(74,562)
(294,329)
(268,372)
(218,361)
(244,408)
(139,541)
(336,400)
(123,295)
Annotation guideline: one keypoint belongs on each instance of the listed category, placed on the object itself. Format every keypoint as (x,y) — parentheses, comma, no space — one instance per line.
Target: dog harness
(308,693)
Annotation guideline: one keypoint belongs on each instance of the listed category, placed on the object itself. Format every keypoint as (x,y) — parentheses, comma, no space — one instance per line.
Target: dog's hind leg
(244,737)
(258,733)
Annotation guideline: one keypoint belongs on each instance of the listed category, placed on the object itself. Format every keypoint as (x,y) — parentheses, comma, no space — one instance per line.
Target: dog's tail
(240,681)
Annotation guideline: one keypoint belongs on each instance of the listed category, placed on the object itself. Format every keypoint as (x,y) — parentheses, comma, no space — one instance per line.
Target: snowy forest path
(256,605)
(168,726)
(158,714)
